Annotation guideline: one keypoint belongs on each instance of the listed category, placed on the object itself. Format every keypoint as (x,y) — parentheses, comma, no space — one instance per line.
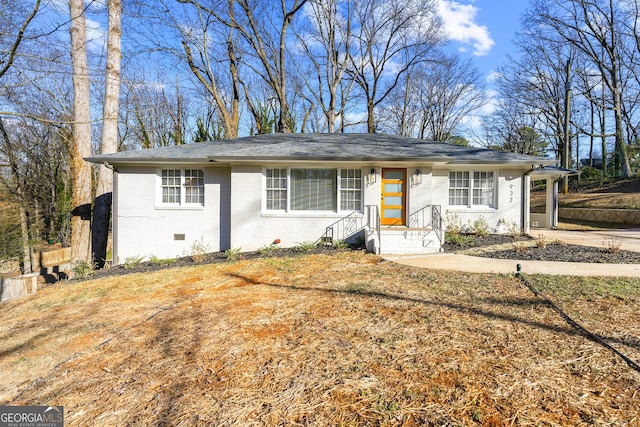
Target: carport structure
(551,175)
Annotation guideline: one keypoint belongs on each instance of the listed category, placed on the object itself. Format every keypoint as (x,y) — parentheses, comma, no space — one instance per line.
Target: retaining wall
(16,287)
(616,216)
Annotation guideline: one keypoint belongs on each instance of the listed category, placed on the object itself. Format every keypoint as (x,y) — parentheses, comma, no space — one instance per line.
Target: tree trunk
(109,144)
(24,232)
(81,143)
(371,124)
(621,159)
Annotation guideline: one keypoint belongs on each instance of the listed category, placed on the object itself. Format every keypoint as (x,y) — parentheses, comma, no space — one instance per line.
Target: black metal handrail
(353,223)
(428,217)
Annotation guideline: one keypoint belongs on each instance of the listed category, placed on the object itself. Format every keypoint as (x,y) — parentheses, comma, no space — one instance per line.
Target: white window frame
(337,183)
(473,188)
(183,184)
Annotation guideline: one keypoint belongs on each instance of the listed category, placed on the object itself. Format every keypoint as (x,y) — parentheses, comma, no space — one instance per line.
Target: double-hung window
(276,189)
(471,189)
(350,189)
(182,187)
(313,189)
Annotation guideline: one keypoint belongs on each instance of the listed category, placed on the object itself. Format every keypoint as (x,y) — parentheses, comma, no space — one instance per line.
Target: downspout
(526,196)
(114,213)
(556,204)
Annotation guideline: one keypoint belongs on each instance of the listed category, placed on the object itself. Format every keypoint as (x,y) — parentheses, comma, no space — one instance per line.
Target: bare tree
(12,31)
(592,27)
(81,144)
(263,29)
(434,99)
(325,37)
(151,115)
(16,188)
(215,65)
(514,130)
(390,36)
(104,185)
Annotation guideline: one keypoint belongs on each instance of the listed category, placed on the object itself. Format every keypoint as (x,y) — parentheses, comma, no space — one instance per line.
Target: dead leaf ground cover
(616,194)
(341,339)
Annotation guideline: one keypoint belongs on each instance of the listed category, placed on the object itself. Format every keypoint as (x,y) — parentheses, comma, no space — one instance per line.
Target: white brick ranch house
(395,193)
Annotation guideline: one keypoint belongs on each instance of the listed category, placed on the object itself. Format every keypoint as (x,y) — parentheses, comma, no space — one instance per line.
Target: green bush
(81,270)
(157,261)
(268,250)
(233,254)
(132,261)
(305,247)
(589,173)
(480,227)
(461,240)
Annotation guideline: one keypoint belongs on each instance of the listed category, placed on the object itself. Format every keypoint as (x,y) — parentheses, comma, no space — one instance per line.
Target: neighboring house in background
(395,193)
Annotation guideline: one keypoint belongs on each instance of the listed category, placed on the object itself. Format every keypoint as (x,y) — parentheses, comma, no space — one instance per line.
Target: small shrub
(541,242)
(157,261)
(132,261)
(612,246)
(480,227)
(340,244)
(589,173)
(514,230)
(82,270)
(233,254)
(461,240)
(454,227)
(199,249)
(520,247)
(268,250)
(305,247)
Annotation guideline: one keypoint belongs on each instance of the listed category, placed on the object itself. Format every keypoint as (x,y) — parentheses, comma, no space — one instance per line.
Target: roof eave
(237,159)
(531,162)
(122,160)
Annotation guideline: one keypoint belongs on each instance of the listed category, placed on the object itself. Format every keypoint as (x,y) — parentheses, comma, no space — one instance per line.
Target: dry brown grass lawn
(624,194)
(340,339)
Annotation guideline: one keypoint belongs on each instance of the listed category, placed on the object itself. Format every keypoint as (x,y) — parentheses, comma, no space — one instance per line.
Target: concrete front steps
(408,241)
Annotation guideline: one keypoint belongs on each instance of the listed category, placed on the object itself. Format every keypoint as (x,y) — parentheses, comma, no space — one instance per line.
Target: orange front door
(393,203)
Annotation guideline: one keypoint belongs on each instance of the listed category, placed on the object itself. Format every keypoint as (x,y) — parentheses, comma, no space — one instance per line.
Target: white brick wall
(508,209)
(234,217)
(253,228)
(146,229)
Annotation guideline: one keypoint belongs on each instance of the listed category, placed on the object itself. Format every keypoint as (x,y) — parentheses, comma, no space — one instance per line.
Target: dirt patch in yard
(324,339)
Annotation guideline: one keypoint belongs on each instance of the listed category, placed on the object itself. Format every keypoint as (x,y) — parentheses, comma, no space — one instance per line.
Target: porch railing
(428,217)
(351,224)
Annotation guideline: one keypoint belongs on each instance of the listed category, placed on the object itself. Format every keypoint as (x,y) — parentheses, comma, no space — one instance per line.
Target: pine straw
(321,340)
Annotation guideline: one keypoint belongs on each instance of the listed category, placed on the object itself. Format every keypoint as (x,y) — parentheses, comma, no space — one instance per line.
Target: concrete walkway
(628,239)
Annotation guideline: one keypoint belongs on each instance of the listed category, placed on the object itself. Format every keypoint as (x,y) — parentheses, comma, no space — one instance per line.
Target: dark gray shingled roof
(327,147)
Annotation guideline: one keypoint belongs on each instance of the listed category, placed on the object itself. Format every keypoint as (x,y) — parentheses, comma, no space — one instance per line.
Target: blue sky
(483,29)
(480,29)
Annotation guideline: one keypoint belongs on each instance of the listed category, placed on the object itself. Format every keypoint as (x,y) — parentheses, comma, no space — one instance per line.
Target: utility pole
(565,155)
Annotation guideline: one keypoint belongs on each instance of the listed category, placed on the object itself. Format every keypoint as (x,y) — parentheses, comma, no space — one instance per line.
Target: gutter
(109,166)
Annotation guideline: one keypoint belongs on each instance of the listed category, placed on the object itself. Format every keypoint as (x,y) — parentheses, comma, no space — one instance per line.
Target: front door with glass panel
(393,201)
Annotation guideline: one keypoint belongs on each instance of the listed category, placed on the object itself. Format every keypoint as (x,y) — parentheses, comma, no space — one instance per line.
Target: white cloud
(459,23)
(493,76)
(96,36)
